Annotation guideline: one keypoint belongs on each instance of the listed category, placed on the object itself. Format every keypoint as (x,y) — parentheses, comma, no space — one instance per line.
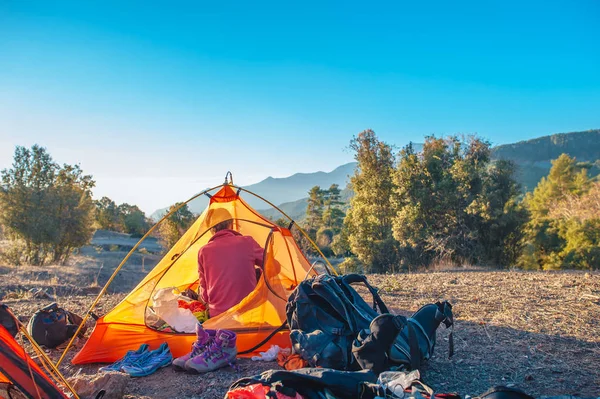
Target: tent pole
(112,277)
(299,228)
(46,362)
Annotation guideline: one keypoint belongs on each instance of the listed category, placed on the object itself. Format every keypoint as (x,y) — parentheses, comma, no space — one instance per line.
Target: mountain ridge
(533,157)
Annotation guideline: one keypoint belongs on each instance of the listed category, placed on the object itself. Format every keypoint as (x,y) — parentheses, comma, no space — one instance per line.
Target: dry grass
(537,331)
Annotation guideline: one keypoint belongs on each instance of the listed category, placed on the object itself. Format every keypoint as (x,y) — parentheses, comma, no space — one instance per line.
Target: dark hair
(225,224)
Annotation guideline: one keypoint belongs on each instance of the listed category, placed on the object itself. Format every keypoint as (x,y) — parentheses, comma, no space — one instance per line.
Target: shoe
(148,364)
(130,357)
(203,339)
(220,353)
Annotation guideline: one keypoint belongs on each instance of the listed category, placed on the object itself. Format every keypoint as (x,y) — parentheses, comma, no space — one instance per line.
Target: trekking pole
(112,277)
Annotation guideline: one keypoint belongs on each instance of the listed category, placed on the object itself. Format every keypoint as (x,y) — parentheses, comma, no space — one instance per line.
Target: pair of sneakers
(143,361)
(212,350)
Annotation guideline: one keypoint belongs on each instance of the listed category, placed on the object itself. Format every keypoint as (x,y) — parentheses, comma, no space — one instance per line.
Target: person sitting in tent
(226,265)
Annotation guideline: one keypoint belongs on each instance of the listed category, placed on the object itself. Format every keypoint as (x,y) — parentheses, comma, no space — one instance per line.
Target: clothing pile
(175,311)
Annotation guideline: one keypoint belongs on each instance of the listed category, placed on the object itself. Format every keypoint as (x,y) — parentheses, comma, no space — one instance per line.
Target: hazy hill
(534,157)
(282,190)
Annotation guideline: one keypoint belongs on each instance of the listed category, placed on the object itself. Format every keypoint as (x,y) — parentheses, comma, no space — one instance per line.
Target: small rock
(528,377)
(113,383)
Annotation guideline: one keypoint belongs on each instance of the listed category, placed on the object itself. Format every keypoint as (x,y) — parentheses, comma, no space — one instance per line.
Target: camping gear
(221,352)
(423,324)
(315,383)
(149,362)
(408,385)
(393,341)
(129,357)
(203,339)
(325,314)
(257,319)
(291,361)
(8,320)
(18,370)
(53,325)
(258,391)
(271,354)
(371,348)
(166,307)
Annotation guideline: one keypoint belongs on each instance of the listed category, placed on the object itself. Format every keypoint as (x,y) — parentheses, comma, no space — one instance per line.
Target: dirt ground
(538,331)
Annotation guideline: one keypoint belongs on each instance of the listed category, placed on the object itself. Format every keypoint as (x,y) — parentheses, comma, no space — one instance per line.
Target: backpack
(52,326)
(394,341)
(325,314)
(8,320)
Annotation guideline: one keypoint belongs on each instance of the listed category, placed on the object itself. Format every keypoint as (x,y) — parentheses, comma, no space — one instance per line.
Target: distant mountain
(534,157)
(284,190)
(297,209)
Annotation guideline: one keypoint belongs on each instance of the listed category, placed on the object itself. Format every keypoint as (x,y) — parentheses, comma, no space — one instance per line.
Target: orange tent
(17,368)
(257,320)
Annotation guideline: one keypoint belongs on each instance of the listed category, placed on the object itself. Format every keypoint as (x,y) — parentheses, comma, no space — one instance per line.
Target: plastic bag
(166,307)
(270,354)
(398,381)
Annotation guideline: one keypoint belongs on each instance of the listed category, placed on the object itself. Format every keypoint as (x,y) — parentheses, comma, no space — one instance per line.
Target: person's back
(226,268)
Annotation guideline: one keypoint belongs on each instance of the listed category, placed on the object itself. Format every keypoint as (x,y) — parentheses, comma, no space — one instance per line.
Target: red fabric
(18,367)
(257,391)
(226,269)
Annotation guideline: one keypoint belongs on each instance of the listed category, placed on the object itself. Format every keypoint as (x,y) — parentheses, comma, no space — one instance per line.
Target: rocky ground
(538,331)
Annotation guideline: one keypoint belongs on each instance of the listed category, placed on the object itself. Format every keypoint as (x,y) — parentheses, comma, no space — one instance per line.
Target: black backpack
(325,314)
(52,326)
(394,341)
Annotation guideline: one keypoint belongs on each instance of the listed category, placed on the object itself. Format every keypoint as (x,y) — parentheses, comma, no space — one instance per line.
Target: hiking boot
(130,357)
(149,363)
(203,339)
(220,353)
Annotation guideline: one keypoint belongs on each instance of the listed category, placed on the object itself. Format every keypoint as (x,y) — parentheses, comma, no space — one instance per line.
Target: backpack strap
(359,278)
(327,288)
(444,315)
(429,344)
(413,344)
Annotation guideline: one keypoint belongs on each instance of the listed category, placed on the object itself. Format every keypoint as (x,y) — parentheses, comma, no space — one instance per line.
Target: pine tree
(369,219)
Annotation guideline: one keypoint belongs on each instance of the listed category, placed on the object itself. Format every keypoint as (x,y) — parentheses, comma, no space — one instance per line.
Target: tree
(175,225)
(369,219)
(544,235)
(452,203)
(564,228)
(333,217)
(314,210)
(132,220)
(107,214)
(47,207)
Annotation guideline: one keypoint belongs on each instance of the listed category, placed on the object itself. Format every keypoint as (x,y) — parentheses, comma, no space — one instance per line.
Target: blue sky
(159,101)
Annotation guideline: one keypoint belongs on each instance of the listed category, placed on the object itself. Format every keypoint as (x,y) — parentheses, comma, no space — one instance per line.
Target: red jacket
(226,269)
